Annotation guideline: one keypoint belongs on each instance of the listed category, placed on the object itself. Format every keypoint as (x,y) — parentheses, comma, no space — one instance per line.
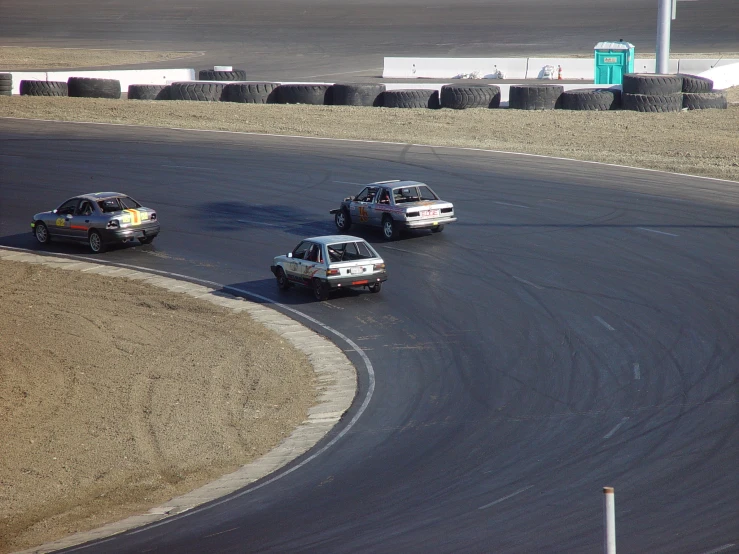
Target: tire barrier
(458,97)
(250,93)
(6,84)
(148,92)
(44,88)
(694,83)
(591,99)
(534,97)
(705,100)
(412,98)
(214,75)
(652,84)
(318,95)
(199,92)
(358,94)
(652,102)
(85,87)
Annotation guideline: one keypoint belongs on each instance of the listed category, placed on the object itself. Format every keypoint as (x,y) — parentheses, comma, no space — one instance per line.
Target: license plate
(356,270)
(427,213)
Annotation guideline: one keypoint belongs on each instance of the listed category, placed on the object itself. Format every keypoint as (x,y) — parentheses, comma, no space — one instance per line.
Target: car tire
(96,242)
(389,228)
(437,229)
(146,240)
(534,97)
(148,92)
(650,103)
(459,97)
(215,75)
(282,281)
(317,95)
(88,87)
(357,94)
(42,233)
(377,287)
(652,84)
(705,100)
(411,98)
(250,93)
(696,83)
(197,92)
(44,88)
(343,221)
(590,99)
(320,290)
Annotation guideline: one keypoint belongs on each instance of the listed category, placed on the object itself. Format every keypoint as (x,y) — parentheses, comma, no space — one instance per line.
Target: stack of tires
(6,84)
(698,94)
(647,92)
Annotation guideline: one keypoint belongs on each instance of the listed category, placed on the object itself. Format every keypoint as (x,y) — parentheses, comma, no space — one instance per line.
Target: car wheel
(342,221)
(96,242)
(389,228)
(376,287)
(320,291)
(146,240)
(282,281)
(437,229)
(42,233)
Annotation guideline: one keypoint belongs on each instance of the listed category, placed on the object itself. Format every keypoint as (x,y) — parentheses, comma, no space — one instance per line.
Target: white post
(664,17)
(609,521)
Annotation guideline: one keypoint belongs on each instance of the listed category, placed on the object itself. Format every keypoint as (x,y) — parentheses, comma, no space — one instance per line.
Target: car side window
(110,205)
(85,208)
(365,250)
(301,249)
(68,208)
(384,197)
(367,195)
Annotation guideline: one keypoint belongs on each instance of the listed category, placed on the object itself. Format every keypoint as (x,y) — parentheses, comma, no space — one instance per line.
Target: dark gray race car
(98,219)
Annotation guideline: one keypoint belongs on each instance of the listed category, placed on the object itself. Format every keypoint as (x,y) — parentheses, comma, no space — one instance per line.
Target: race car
(98,219)
(394,206)
(330,263)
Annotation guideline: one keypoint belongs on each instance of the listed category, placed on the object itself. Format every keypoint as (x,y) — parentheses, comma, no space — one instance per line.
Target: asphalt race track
(577,328)
(347,39)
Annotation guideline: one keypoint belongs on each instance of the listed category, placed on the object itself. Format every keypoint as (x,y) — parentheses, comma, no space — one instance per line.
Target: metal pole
(609,521)
(664,16)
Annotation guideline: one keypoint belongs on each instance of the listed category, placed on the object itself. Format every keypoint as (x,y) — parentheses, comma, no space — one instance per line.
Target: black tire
(86,87)
(534,97)
(389,228)
(318,95)
(146,240)
(705,100)
(42,233)
(213,75)
(250,93)
(596,99)
(148,92)
(95,241)
(199,92)
(377,287)
(6,77)
(343,221)
(282,281)
(437,229)
(44,88)
(358,94)
(459,97)
(695,83)
(652,103)
(412,98)
(6,93)
(652,84)
(320,290)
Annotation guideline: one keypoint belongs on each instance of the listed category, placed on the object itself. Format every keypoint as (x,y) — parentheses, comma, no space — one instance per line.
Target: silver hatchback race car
(394,206)
(329,263)
(98,219)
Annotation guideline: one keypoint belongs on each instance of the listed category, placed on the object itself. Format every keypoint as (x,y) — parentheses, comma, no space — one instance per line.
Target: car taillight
(447,210)
(412,214)
(332,272)
(113,223)
(378,267)
(153,216)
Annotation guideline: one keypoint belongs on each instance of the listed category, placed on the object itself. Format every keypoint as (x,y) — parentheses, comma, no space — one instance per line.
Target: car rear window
(350,251)
(426,193)
(129,203)
(109,205)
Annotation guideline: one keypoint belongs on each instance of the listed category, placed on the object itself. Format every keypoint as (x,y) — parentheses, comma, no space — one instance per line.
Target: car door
(293,266)
(312,263)
(79,224)
(63,218)
(362,207)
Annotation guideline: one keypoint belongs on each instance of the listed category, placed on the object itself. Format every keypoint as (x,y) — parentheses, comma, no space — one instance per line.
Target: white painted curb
(337,387)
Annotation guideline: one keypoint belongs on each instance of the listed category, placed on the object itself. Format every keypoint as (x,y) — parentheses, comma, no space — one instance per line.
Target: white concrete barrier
(572,68)
(126,77)
(451,68)
(693,66)
(723,76)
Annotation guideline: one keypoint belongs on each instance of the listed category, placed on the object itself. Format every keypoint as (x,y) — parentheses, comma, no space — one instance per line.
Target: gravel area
(116,396)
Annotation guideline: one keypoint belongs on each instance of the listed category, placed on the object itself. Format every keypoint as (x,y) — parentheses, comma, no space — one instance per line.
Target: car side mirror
(69,216)
(289,254)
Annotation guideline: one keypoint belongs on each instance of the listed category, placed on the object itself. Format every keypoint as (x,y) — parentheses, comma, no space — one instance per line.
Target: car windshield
(349,251)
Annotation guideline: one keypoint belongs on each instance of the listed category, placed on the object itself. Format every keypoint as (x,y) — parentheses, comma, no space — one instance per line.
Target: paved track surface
(347,39)
(577,328)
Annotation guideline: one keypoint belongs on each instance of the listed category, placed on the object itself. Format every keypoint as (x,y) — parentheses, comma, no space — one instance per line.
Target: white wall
(126,77)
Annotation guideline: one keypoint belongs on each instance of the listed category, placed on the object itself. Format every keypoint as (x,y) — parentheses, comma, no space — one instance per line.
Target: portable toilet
(612,60)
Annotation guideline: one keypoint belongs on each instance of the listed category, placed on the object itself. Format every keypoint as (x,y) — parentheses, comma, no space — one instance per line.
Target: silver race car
(330,263)
(98,219)
(394,206)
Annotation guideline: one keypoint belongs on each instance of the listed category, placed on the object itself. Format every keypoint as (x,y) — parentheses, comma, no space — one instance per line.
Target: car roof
(100,195)
(333,239)
(397,184)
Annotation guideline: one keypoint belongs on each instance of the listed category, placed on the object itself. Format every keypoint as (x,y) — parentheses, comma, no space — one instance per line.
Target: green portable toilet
(612,60)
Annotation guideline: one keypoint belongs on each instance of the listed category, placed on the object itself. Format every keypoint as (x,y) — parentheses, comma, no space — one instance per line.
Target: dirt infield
(21,58)
(116,396)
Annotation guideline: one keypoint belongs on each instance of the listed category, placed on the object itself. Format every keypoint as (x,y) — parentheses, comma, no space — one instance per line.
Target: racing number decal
(136,217)
(60,222)
(363,214)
